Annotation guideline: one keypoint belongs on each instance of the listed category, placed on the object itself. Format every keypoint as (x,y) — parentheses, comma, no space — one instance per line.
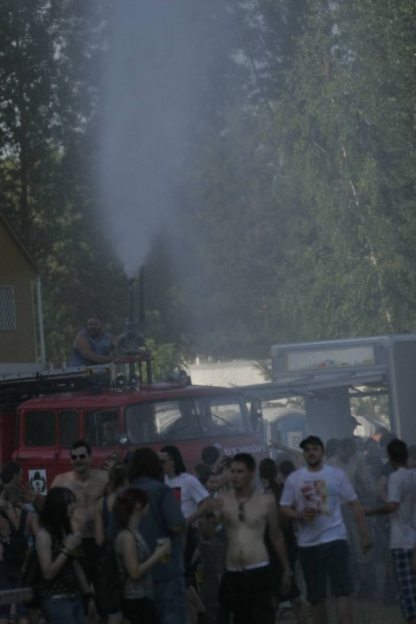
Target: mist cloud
(150,89)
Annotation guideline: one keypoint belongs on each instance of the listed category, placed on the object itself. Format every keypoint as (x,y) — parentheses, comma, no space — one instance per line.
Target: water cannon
(132,344)
(131,341)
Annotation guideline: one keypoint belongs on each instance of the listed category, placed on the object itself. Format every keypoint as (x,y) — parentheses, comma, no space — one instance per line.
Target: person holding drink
(312,497)
(58,544)
(164,519)
(134,558)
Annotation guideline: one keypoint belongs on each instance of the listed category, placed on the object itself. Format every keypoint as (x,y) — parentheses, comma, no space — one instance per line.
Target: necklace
(241,506)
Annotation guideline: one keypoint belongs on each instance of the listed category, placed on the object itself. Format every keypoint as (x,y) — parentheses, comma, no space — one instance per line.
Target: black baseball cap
(311,440)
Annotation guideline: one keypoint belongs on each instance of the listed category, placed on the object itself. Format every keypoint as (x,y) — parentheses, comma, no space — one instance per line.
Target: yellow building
(21,331)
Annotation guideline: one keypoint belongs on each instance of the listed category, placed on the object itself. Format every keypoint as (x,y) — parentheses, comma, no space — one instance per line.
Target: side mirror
(122,439)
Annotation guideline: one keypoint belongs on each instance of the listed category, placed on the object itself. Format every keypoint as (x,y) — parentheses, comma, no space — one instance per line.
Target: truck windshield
(101,427)
(181,419)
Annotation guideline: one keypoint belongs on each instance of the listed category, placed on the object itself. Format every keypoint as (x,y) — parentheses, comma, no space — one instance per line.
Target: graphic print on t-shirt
(315,496)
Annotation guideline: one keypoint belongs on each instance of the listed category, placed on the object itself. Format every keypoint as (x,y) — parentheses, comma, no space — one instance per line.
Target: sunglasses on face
(80,456)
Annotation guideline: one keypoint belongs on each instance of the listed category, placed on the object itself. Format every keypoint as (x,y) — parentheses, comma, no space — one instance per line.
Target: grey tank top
(142,587)
(102,346)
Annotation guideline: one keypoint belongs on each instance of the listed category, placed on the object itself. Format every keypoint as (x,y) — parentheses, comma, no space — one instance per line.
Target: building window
(7,309)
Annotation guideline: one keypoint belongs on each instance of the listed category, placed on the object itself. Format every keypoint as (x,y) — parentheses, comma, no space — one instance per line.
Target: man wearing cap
(312,497)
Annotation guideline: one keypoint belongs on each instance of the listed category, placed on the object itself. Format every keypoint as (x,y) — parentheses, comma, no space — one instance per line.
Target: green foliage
(166,360)
(297,216)
(347,142)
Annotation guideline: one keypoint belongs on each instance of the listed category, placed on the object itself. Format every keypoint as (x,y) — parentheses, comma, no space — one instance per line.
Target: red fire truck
(43,414)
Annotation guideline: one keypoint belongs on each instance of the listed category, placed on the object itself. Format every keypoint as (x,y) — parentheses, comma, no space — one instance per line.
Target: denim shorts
(64,610)
(326,562)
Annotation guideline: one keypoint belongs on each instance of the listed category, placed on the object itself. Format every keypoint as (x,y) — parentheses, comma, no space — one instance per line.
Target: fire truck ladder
(15,387)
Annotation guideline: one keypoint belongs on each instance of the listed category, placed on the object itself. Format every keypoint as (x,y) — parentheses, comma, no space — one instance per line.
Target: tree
(48,105)
(347,125)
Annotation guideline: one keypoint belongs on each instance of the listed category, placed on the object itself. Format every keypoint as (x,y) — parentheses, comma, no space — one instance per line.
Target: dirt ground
(365,612)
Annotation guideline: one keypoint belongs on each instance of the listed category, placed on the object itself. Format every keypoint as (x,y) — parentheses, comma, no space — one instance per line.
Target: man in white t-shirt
(188,490)
(312,497)
(401,504)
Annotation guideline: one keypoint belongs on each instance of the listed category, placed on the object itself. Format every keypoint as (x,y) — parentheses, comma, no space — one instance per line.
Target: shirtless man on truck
(246,588)
(88,485)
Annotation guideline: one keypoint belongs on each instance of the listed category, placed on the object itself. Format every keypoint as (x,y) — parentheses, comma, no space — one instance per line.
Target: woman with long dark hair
(107,602)
(134,558)
(58,548)
(268,473)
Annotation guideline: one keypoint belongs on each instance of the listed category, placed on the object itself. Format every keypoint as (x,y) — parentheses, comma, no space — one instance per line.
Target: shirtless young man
(88,485)
(246,588)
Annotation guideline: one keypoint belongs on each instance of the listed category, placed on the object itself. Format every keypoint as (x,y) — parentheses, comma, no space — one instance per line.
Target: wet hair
(348,445)
(145,462)
(381,431)
(117,475)
(312,440)
(332,447)
(175,455)
(210,454)
(246,459)
(125,503)
(268,472)
(267,468)
(9,471)
(54,515)
(206,477)
(203,471)
(286,467)
(81,444)
(397,451)
(96,316)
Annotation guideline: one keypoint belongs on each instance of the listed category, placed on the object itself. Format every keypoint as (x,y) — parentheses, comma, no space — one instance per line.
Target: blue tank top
(101,346)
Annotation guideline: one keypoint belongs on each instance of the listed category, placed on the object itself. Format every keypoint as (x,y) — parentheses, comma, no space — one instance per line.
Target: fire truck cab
(39,431)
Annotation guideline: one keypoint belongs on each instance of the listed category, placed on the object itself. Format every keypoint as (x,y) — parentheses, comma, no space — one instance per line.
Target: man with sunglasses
(88,485)
(246,588)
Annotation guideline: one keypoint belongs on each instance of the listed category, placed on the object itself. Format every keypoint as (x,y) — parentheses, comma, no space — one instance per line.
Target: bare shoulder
(124,539)
(64,479)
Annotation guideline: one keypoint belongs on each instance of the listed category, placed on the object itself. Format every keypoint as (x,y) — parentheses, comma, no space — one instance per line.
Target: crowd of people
(145,541)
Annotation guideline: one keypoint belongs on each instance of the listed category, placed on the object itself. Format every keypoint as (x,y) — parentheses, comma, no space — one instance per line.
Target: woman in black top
(59,547)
